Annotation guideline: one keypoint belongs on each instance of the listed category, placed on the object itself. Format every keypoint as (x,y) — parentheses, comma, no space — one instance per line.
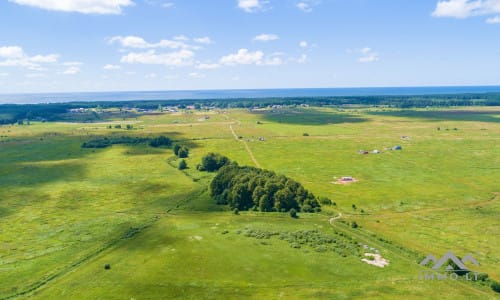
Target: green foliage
(293,213)
(160,141)
(354,224)
(118,126)
(495,286)
(176,149)
(213,162)
(325,201)
(183,152)
(236,211)
(108,141)
(182,165)
(129,126)
(247,187)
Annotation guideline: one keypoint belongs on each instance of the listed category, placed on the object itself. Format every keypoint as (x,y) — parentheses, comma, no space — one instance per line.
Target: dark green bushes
(213,162)
(251,188)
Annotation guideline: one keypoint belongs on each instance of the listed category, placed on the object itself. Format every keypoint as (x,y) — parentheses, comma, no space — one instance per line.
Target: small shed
(376,151)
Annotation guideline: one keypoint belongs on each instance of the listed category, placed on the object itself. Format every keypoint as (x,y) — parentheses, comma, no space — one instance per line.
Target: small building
(376,151)
(347,178)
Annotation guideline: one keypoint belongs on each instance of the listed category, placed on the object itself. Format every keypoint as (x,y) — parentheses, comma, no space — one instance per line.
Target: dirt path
(246,146)
(335,218)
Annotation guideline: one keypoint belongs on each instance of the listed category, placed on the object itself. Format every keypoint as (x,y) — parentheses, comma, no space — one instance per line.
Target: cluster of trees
(109,141)
(181,151)
(103,142)
(160,141)
(212,162)
(247,188)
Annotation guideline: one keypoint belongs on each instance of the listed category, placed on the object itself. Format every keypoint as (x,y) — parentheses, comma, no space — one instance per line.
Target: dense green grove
(247,188)
(105,142)
(12,113)
(212,162)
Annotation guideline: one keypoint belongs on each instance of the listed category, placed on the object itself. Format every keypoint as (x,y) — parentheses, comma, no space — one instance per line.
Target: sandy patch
(195,238)
(344,181)
(377,260)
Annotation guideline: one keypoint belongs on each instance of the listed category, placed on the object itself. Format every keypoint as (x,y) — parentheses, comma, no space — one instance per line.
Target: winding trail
(246,145)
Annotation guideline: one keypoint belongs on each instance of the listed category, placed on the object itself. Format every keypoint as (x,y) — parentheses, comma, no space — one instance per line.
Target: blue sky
(110,45)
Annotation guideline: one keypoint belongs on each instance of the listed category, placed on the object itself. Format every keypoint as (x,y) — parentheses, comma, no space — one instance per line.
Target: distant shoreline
(37,98)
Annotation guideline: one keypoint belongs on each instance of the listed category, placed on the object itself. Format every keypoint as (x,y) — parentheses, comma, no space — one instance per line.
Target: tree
(293,213)
(129,126)
(183,152)
(182,165)
(354,224)
(176,149)
(495,286)
(213,162)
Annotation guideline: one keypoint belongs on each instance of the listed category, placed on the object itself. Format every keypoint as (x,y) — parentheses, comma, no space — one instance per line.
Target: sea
(34,98)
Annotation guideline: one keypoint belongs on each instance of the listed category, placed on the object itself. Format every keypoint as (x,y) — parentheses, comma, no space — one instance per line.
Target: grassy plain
(66,211)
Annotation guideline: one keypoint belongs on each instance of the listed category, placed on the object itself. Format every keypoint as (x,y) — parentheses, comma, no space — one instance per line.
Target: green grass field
(66,211)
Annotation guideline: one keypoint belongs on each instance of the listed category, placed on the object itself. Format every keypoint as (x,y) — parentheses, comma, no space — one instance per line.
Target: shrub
(182,165)
(107,266)
(118,126)
(293,213)
(176,149)
(495,286)
(354,206)
(160,141)
(325,201)
(213,162)
(129,127)
(183,152)
(354,224)
(305,134)
(236,211)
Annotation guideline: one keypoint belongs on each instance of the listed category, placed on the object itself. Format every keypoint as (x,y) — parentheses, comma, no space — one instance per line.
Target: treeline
(245,188)
(12,113)
(127,140)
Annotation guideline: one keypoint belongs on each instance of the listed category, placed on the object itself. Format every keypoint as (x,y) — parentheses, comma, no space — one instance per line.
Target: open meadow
(67,211)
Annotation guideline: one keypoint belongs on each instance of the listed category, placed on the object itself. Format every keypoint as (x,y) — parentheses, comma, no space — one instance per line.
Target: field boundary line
(246,145)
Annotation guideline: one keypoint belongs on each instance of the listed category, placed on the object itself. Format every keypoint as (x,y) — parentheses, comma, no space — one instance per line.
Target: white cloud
(203,40)
(265,37)
(303,44)
(367,55)
(181,38)
(179,58)
(307,5)
(196,75)
(462,9)
(35,75)
(272,60)
(242,57)
(304,6)
(71,70)
(207,66)
(493,20)
(111,67)
(151,75)
(4,74)
(72,64)
(80,6)
(302,59)
(14,56)
(252,5)
(140,43)
(11,52)
(167,5)
(51,58)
